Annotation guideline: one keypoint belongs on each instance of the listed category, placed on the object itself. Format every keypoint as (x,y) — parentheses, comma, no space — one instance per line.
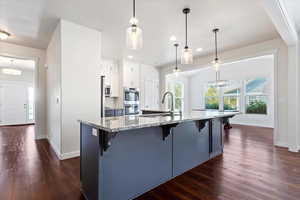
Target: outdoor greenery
(254,93)
(230,103)
(178,103)
(257,107)
(211,98)
(177,89)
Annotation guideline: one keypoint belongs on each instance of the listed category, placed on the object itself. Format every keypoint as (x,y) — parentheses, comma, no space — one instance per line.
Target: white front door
(13,104)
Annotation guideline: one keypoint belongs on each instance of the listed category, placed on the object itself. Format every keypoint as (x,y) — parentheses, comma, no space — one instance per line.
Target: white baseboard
(55,149)
(294,149)
(69,155)
(39,137)
(63,156)
(250,124)
(281,144)
(285,145)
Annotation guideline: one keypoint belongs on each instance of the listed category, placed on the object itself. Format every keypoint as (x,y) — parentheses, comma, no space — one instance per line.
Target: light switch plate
(95,132)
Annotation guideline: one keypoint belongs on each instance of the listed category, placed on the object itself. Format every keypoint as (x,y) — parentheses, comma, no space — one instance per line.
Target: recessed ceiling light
(130,57)
(12,72)
(4,35)
(199,49)
(173,38)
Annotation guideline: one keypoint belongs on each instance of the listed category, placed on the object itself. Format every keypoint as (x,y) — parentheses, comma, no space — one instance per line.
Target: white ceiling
(7,62)
(242,22)
(293,8)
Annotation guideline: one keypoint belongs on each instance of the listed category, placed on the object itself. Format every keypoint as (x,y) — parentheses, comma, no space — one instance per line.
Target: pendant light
(216,62)
(134,34)
(187,53)
(176,70)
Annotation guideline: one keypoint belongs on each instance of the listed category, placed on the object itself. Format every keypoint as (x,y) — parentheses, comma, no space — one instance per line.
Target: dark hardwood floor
(250,168)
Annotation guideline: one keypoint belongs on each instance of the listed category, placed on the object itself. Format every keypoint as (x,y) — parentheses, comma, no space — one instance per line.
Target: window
(211,98)
(249,96)
(177,88)
(231,96)
(256,96)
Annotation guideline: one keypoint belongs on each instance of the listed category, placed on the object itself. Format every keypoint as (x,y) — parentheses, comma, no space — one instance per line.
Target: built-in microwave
(131,101)
(131,95)
(131,109)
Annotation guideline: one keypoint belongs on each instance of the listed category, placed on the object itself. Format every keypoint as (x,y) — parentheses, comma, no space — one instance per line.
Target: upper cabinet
(131,74)
(110,69)
(128,74)
(149,86)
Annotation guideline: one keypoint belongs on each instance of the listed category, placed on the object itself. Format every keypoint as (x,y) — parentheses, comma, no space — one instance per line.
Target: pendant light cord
(134,8)
(216,45)
(186,22)
(176,67)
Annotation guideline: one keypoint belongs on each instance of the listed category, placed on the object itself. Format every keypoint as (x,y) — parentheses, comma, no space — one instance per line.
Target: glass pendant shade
(134,37)
(187,56)
(134,34)
(176,71)
(216,64)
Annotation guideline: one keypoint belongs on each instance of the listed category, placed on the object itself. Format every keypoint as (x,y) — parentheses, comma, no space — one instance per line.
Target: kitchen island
(124,157)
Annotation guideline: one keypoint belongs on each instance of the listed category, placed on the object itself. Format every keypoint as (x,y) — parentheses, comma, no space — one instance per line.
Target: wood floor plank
(251,168)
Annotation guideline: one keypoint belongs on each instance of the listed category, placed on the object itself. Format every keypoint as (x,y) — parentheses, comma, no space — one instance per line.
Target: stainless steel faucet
(172,100)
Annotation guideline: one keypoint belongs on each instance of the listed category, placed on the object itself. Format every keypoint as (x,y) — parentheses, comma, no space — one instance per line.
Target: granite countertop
(122,123)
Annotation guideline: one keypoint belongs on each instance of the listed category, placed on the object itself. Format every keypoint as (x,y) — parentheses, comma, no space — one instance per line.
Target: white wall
(38,55)
(81,59)
(239,71)
(74,58)
(54,90)
(280,51)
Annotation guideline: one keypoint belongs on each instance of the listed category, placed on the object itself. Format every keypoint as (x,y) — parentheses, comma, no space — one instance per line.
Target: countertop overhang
(129,122)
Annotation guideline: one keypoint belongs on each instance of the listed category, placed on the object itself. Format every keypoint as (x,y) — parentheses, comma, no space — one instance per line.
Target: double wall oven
(131,101)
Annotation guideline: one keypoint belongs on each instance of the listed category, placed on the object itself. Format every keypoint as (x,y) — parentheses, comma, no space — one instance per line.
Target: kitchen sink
(162,114)
(156,115)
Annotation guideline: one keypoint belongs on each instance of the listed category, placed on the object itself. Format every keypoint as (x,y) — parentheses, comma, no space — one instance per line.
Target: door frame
(274,51)
(35,85)
(27,85)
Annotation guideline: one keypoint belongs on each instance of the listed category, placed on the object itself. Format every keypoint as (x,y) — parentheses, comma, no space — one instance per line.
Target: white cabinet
(143,77)
(110,69)
(149,87)
(131,74)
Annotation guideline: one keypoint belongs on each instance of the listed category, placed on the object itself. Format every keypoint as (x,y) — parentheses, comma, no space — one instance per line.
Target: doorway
(17,104)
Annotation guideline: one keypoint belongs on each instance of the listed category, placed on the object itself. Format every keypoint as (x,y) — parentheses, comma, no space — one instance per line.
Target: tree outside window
(256,96)
(231,96)
(177,88)
(211,98)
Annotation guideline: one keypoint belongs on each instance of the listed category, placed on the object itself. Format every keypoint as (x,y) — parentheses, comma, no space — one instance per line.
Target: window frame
(172,84)
(242,103)
(205,97)
(255,94)
(238,95)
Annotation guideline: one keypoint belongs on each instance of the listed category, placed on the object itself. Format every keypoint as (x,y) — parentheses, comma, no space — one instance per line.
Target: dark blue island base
(123,165)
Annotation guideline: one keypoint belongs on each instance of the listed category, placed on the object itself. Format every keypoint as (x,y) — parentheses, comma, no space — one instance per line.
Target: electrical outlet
(95,132)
